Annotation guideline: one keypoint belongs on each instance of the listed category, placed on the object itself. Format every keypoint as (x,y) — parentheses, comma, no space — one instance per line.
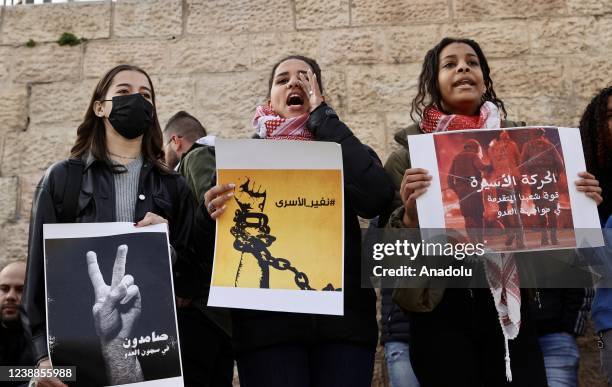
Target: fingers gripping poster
(110,304)
(279,243)
(510,189)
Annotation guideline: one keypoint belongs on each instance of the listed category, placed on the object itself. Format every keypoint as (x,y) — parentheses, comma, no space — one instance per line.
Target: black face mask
(131,115)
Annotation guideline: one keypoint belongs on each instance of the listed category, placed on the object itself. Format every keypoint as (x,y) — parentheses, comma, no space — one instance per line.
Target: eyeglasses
(172,138)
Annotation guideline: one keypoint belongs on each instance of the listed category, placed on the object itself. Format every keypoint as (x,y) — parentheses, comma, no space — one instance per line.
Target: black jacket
(166,195)
(395,324)
(562,310)
(367,190)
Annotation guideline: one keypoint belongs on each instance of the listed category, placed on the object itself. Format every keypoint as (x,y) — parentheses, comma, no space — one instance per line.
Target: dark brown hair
(91,135)
(185,125)
(596,143)
(309,61)
(429,95)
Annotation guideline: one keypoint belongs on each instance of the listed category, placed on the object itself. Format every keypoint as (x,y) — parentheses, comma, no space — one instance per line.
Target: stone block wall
(213,57)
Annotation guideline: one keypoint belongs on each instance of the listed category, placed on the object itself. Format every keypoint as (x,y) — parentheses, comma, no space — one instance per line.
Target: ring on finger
(211,208)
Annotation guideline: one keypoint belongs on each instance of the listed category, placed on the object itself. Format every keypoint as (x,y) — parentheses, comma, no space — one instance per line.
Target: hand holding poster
(110,304)
(511,189)
(279,244)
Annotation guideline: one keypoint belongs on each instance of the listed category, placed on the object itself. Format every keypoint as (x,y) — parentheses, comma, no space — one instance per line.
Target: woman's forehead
(292,65)
(457,48)
(133,78)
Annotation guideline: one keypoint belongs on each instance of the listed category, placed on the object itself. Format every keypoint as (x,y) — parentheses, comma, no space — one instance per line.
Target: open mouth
(295,99)
(463,82)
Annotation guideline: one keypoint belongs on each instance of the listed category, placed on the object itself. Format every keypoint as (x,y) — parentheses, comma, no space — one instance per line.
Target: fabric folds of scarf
(500,269)
(436,121)
(270,125)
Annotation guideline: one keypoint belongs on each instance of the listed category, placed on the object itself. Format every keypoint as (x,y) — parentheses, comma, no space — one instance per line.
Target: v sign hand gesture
(117,306)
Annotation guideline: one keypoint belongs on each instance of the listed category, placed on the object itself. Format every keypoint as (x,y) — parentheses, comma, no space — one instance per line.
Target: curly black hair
(429,92)
(597,145)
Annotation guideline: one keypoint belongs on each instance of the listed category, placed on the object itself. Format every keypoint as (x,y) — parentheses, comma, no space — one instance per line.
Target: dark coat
(395,324)
(562,310)
(367,191)
(166,195)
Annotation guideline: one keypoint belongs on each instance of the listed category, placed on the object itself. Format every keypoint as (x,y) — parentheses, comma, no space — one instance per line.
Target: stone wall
(212,58)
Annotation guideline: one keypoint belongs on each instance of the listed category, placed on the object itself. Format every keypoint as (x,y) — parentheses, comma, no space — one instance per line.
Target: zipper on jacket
(538,300)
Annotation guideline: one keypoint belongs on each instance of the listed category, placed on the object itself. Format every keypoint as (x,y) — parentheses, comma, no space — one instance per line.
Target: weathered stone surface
(588,7)
(498,9)
(210,54)
(272,47)
(12,152)
(588,77)
(150,18)
(172,95)
(226,126)
(74,97)
(13,107)
(398,12)
(369,129)
(44,146)
(47,22)
(496,40)
(410,44)
(9,190)
(5,53)
(381,88)
(215,16)
(603,35)
(317,14)
(334,89)
(27,184)
(46,63)
(232,94)
(563,36)
(545,110)
(14,241)
(352,47)
(101,56)
(529,78)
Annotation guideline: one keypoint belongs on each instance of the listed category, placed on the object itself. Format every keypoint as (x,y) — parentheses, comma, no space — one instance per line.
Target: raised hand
(118,306)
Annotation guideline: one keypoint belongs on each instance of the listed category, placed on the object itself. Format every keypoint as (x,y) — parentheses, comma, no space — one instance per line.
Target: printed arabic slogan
(510,189)
(279,244)
(110,304)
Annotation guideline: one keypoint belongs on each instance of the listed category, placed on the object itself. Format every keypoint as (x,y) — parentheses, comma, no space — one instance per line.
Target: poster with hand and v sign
(110,304)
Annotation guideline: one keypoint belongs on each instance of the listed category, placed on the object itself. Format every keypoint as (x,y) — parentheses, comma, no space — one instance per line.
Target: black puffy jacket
(367,191)
(395,324)
(166,195)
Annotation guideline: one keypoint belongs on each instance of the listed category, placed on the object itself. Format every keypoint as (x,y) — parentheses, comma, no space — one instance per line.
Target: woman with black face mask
(118,157)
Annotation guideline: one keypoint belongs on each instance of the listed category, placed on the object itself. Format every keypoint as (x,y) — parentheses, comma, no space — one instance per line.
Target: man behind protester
(14,346)
(205,331)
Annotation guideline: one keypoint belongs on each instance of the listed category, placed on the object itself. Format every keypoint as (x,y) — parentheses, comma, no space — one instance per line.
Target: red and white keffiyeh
(269,124)
(436,121)
(501,271)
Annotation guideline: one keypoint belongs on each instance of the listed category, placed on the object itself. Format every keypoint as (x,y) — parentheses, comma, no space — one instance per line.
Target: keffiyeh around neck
(269,124)
(436,121)
(501,271)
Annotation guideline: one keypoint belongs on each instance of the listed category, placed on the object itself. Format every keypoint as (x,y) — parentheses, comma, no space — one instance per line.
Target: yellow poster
(282,230)
(279,245)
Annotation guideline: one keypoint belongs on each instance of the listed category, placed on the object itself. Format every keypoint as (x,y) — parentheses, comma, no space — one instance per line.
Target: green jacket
(198,166)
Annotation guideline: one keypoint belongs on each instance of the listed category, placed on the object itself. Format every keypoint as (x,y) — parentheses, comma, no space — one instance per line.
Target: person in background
(596,134)
(560,315)
(14,346)
(206,348)
(395,337)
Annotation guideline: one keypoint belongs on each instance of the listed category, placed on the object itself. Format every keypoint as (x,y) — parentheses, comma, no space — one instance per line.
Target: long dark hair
(91,135)
(429,91)
(597,145)
(309,61)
